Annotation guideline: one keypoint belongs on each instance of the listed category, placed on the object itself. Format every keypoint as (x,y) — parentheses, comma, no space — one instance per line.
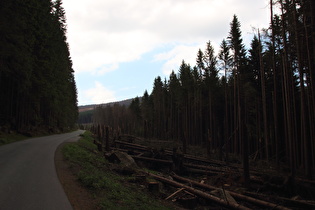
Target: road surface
(28,178)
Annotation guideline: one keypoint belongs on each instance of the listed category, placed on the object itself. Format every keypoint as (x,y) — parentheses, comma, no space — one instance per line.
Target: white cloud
(106,33)
(174,57)
(102,34)
(98,94)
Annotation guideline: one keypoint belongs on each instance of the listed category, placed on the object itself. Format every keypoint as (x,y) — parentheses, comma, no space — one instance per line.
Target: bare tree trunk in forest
(275,84)
(258,145)
(226,123)
(263,93)
(310,93)
(211,146)
(236,128)
(242,133)
(312,78)
(304,126)
(208,143)
(288,96)
(185,130)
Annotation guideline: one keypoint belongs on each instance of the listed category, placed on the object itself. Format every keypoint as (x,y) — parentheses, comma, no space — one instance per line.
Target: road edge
(78,196)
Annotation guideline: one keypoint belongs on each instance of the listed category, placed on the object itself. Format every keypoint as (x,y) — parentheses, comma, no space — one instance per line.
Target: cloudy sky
(118,47)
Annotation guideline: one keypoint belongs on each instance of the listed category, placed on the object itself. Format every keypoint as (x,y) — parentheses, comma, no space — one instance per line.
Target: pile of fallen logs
(226,198)
(189,165)
(186,165)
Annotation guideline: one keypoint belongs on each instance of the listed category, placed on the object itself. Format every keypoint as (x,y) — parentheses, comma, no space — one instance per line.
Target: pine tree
(37,78)
(239,53)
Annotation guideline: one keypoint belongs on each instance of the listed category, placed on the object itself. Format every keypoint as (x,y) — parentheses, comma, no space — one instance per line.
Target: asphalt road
(28,178)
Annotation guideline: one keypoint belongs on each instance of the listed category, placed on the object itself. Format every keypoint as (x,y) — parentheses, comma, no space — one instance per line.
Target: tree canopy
(37,86)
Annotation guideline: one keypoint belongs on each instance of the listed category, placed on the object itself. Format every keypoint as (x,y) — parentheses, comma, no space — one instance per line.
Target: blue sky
(118,47)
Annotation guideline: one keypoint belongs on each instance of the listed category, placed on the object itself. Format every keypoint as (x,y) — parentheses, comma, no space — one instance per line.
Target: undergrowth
(113,191)
(10,138)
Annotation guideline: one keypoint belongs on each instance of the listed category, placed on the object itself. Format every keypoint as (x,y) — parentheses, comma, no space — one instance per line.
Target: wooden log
(153,187)
(208,168)
(168,162)
(133,146)
(200,193)
(236,195)
(175,193)
(201,171)
(225,195)
(294,203)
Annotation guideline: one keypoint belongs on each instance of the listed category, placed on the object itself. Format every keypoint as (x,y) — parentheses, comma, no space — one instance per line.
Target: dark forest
(37,86)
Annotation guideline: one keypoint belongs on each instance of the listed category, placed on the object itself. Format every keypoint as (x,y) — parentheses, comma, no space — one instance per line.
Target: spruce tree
(239,54)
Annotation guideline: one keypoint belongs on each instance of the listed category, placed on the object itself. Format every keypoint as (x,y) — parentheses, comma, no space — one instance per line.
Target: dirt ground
(78,196)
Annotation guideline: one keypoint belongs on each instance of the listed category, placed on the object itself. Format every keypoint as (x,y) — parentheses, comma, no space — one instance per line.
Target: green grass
(10,138)
(7,138)
(113,190)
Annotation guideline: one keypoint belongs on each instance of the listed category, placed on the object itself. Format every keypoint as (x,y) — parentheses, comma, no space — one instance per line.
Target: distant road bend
(28,178)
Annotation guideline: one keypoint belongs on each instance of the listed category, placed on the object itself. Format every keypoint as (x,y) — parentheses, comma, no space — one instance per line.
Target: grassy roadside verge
(10,138)
(7,138)
(113,191)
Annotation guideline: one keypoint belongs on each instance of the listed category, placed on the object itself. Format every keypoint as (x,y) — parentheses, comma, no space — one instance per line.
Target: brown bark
(200,193)
(236,195)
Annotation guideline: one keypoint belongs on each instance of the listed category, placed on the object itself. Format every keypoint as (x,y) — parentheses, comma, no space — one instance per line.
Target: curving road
(28,179)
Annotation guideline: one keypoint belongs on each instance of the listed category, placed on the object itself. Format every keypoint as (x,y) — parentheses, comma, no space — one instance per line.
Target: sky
(118,47)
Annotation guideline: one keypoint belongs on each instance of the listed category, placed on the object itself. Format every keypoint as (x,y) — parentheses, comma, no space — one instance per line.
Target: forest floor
(91,182)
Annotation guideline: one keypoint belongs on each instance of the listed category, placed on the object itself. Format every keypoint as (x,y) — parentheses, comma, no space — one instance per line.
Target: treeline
(85,117)
(256,102)
(37,86)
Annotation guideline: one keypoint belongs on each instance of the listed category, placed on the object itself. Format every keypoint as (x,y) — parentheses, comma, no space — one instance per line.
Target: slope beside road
(28,179)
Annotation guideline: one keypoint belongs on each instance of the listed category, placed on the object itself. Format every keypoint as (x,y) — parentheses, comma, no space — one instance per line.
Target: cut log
(131,145)
(175,193)
(235,195)
(168,162)
(200,193)
(303,204)
(226,196)
(153,187)
(210,168)
(200,171)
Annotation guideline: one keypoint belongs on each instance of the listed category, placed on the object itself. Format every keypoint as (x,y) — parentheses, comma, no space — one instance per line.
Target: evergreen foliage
(262,108)
(37,86)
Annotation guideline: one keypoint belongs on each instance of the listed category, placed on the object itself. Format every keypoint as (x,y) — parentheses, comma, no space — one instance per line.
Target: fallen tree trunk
(209,168)
(168,162)
(236,195)
(201,171)
(200,193)
(133,146)
(294,203)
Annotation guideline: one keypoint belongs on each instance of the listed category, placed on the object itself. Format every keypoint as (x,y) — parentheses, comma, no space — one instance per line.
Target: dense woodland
(37,86)
(254,102)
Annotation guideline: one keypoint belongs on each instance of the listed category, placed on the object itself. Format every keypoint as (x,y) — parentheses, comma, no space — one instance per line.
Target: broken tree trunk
(200,193)
(236,195)
(175,193)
